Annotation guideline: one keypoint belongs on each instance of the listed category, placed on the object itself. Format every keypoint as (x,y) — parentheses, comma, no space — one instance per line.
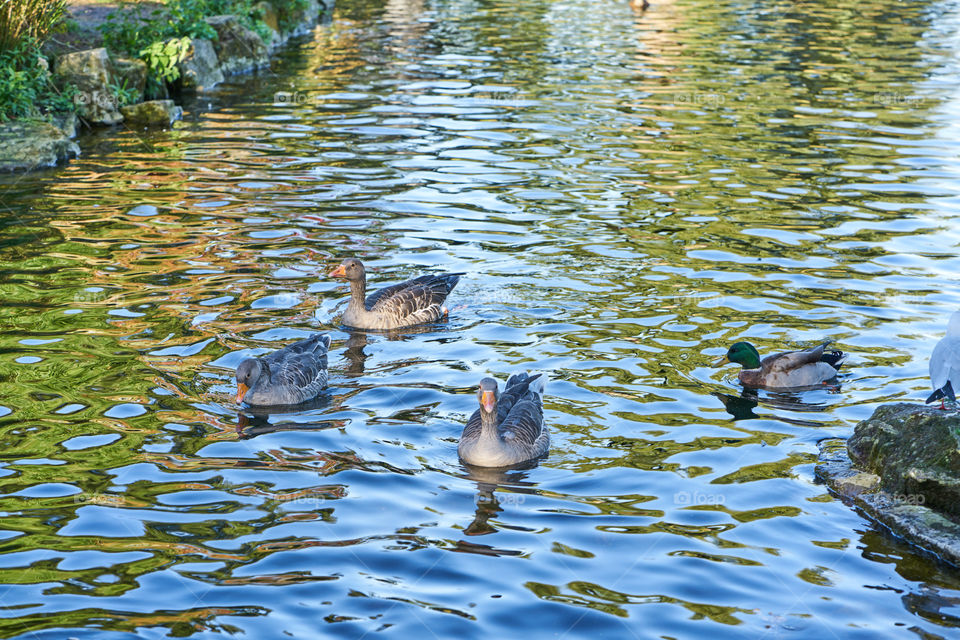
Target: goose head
(487,394)
(351,269)
(249,372)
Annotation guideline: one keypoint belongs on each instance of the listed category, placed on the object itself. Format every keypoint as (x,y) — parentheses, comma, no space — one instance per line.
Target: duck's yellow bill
(241,391)
(339,272)
(722,360)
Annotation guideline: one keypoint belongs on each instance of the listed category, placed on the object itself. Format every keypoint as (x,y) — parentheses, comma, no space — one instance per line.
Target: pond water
(628,194)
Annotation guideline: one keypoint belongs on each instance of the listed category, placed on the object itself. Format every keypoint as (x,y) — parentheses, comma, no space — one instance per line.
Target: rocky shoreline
(93,74)
(900,468)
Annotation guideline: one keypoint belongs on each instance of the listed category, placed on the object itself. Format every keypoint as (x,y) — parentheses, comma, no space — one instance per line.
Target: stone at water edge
(152,112)
(131,73)
(238,49)
(33,144)
(90,72)
(271,18)
(302,19)
(915,450)
(201,68)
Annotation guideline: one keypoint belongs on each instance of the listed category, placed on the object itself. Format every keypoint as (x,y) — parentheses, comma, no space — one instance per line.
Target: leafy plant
(162,59)
(124,95)
(25,86)
(127,32)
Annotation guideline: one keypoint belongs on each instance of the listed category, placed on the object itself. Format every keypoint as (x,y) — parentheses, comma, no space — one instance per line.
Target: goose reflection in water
(488,504)
(255,421)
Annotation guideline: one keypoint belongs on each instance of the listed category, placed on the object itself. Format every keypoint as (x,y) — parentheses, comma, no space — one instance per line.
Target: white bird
(945,364)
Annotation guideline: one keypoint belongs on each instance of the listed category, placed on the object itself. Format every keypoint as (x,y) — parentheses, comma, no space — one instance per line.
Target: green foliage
(126,32)
(25,84)
(161,38)
(23,20)
(162,58)
(125,95)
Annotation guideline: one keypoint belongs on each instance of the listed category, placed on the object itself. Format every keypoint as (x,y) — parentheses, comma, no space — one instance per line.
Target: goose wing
(522,407)
(408,297)
(300,364)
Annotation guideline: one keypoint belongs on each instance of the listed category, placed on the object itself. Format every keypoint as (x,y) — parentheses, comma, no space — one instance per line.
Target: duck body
(805,368)
(945,364)
(287,376)
(508,428)
(409,303)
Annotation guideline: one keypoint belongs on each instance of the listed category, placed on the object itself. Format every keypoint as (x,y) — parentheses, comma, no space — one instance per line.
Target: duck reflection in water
(255,421)
(742,407)
(488,503)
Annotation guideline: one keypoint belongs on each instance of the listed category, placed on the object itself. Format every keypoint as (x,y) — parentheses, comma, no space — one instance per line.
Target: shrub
(25,83)
(22,20)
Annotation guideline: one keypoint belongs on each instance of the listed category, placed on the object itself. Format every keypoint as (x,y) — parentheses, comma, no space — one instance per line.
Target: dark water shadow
(742,406)
(255,421)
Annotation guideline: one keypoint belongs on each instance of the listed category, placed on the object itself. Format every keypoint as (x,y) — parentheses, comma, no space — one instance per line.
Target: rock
(297,22)
(270,18)
(901,467)
(201,68)
(90,72)
(32,144)
(152,112)
(66,122)
(916,452)
(130,73)
(238,49)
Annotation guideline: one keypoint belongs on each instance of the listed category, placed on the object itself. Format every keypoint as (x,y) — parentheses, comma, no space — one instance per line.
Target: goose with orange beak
(288,376)
(405,304)
(508,428)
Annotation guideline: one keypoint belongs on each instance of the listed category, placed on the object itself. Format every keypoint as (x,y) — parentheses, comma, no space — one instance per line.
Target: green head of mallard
(742,353)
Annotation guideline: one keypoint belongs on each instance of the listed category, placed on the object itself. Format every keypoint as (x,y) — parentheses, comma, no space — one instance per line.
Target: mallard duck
(790,369)
(945,364)
(291,375)
(507,428)
(401,305)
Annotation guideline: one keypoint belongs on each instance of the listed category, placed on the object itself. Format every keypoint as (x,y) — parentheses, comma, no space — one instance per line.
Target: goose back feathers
(291,375)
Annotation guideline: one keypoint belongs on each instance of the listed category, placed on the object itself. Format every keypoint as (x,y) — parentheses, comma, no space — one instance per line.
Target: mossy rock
(915,450)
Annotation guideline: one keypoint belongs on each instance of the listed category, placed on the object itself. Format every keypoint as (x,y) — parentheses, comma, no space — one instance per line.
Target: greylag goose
(507,428)
(945,364)
(790,369)
(291,375)
(401,305)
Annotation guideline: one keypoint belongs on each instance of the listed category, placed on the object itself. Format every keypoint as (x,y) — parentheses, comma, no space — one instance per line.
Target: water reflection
(633,191)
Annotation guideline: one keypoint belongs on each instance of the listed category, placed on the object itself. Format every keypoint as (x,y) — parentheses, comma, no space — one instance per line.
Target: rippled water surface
(628,193)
